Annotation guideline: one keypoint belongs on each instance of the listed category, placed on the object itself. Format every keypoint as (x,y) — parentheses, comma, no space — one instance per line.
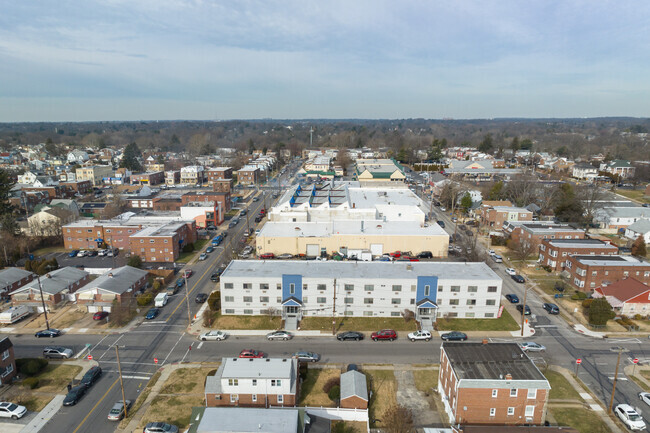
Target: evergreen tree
(487,144)
(496,192)
(466,202)
(6,183)
(600,312)
(514,145)
(568,208)
(130,158)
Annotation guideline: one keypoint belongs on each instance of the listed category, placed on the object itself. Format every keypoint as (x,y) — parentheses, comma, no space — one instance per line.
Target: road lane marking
(200,345)
(136,377)
(96,405)
(110,346)
(172,349)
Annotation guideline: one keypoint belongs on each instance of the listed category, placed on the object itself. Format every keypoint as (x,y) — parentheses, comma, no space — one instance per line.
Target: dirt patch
(311,393)
(176,409)
(384,390)
(410,395)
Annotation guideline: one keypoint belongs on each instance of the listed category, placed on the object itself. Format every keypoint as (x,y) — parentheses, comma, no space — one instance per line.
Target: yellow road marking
(95,407)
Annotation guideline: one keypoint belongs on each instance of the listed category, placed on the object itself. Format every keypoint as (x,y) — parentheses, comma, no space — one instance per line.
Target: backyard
(312,393)
(384,389)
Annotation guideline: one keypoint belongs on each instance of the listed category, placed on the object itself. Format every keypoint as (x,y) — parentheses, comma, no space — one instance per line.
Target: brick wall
(11,360)
(246,400)
(555,256)
(595,276)
(479,403)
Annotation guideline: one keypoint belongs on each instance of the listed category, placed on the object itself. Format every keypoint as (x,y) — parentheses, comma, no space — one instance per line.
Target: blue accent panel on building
(432,282)
(287,280)
(427,304)
(291,303)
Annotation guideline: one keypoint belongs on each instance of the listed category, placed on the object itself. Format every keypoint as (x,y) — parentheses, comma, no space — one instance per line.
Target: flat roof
(350,227)
(248,420)
(262,368)
(371,270)
(611,260)
(580,243)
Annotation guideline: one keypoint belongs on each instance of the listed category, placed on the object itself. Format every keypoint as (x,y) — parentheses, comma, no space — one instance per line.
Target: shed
(354,390)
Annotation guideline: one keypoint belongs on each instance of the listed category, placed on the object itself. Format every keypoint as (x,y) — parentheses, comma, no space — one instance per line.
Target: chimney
(508,376)
(485,341)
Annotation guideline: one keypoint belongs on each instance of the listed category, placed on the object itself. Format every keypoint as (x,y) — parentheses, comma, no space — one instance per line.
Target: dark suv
(425,255)
(520,308)
(551,308)
(91,376)
(384,334)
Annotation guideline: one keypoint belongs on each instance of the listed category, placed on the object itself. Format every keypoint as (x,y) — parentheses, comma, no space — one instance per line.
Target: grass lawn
(348,427)
(634,194)
(187,380)
(247,322)
(311,393)
(68,319)
(642,385)
(47,250)
(55,377)
(503,323)
(426,380)
(198,246)
(357,324)
(583,420)
(384,390)
(561,389)
(645,374)
(173,409)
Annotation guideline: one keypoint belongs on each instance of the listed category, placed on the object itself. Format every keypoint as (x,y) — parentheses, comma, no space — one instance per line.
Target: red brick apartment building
(7,361)
(82,187)
(588,272)
(219,173)
(162,243)
(248,175)
(222,185)
(148,178)
(535,232)
(493,383)
(221,199)
(553,252)
(13,278)
(494,216)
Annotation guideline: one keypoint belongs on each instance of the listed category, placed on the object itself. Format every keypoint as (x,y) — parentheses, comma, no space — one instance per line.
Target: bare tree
(398,419)
(343,159)
(522,189)
(592,197)
(521,250)
(116,206)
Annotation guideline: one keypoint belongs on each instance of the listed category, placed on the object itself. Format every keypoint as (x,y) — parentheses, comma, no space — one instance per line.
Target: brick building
(354,390)
(162,243)
(222,185)
(56,285)
(253,383)
(222,199)
(172,177)
(119,284)
(535,232)
(627,297)
(248,175)
(588,272)
(148,178)
(494,383)
(81,186)
(7,361)
(494,216)
(13,278)
(137,202)
(219,173)
(553,252)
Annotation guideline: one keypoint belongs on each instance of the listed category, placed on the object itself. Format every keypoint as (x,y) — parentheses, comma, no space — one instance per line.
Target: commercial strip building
(379,170)
(588,272)
(482,170)
(493,383)
(553,252)
(148,178)
(297,289)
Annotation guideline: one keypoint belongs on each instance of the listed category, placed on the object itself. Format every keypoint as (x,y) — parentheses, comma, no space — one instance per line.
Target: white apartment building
(297,289)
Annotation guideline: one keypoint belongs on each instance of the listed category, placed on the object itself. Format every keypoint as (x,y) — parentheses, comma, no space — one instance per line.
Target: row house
(588,272)
(222,185)
(13,278)
(535,232)
(148,178)
(57,286)
(553,252)
(627,297)
(172,177)
(493,383)
(494,216)
(120,284)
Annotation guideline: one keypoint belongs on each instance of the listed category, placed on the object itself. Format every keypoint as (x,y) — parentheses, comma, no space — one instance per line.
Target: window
(321,287)
(349,287)
(292,288)
(233,382)
(247,286)
(151,241)
(453,302)
(368,300)
(472,289)
(280,398)
(5,355)
(495,393)
(413,287)
(227,286)
(439,289)
(254,398)
(321,300)
(397,288)
(427,290)
(488,315)
(230,311)
(264,287)
(513,392)
(396,301)
(470,315)
(532,393)
(305,299)
(278,286)
(493,411)
(491,302)
(492,289)
(369,287)
(594,273)
(395,314)
(349,300)
(229,299)
(248,312)
(471,302)
(304,287)
(367,313)
(264,299)
(276,382)
(234,398)
(511,411)
(455,289)
(153,250)
(530,411)
(248,299)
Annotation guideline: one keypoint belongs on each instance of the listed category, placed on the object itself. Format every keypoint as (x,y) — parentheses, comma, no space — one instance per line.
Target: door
(313,250)
(377,249)
(93,308)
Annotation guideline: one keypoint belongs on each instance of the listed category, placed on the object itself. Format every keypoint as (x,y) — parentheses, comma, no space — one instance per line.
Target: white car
(12,410)
(81,253)
(102,253)
(420,335)
(645,397)
(511,271)
(213,335)
(491,253)
(203,256)
(630,417)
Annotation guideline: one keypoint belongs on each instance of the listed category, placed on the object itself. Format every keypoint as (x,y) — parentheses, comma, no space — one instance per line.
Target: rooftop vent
(508,376)
(268,360)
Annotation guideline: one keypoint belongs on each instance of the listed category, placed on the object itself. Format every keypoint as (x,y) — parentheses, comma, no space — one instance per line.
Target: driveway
(409,396)
(11,426)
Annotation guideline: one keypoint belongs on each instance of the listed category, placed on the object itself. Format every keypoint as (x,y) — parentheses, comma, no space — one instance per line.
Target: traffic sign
(90,357)
(635,360)
(155,360)
(578,361)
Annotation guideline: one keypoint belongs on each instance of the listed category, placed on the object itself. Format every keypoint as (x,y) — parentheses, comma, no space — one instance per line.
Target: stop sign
(579,361)
(635,360)
(90,357)
(155,360)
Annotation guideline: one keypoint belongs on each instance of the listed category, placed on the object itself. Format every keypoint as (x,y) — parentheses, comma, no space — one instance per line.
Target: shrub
(156,286)
(208,318)
(331,383)
(30,366)
(214,301)
(638,317)
(144,299)
(135,262)
(335,393)
(547,268)
(587,303)
(188,248)
(28,265)
(408,315)
(600,312)
(578,296)
(31,382)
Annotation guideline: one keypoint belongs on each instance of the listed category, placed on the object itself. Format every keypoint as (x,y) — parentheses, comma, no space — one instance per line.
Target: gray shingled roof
(353,383)
(641,226)
(55,281)
(116,280)
(11,275)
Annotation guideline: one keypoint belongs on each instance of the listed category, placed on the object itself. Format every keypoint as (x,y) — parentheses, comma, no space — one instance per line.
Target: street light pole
(611,399)
(40,289)
(119,369)
(187,301)
(523,311)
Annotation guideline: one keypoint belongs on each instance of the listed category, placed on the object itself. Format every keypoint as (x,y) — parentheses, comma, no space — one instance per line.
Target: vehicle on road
(645,397)
(188,273)
(303,356)
(350,335)
(117,411)
(160,427)
(420,335)
(217,241)
(100,315)
(267,256)
(285,256)
(243,212)
(497,258)
(551,308)
(91,376)
(520,308)
(250,353)
(518,278)
(201,298)
(441,223)
(531,346)
(514,299)
(215,276)
(256,198)
(203,256)
(213,335)
(57,352)
(152,313)
(208,250)
(384,334)
(233,222)
(384,258)
(279,335)
(51,333)
(454,336)
(74,395)
(180,282)
(630,417)
(491,253)
(73,253)
(511,271)
(12,410)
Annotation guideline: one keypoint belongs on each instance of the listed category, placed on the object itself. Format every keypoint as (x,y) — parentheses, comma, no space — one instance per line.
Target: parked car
(645,397)
(188,273)
(285,256)
(81,253)
(454,336)
(160,427)
(74,395)
(441,223)
(514,299)
(113,252)
(531,346)
(267,256)
(12,410)
(279,335)
(117,411)
(208,250)
(91,376)
(215,276)
(511,271)
(180,282)
(250,353)
(243,212)
(420,335)
(100,315)
(152,313)
(102,253)
(425,255)
(201,298)
(518,278)
(306,356)
(213,335)
(350,335)
(91,253)
(491,253)
(384,334)
(57,352)
(630,417)
(551,308)
(73,253)
(203,256)
(217,241)
(520,308)
(51,333)
(396,254)
(497,258)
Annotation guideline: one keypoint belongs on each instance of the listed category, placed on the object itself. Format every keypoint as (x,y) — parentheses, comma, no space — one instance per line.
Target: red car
(396,254)
(262,211)
(250,353)
(267,256)
(100,315)
(384,334)
(188,273)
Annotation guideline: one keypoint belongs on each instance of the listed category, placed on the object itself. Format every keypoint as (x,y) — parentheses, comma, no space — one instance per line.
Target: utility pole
(187,301)
(611,399)
(523,312)
(119,369)
(40,289)
(334,310)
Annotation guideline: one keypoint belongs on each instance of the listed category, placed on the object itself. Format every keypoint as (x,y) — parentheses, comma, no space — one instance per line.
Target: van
(161,299)
(14,314)
(497,258)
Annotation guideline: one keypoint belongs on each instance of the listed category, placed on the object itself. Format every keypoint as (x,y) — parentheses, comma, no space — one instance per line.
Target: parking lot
(91,262)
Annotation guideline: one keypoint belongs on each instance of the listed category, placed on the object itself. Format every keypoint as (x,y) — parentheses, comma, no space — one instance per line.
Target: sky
(215,60)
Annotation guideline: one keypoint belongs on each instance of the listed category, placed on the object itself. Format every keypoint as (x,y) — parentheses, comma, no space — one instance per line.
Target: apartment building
(298,289)
(193,175)
(13,278)
(627,297)
(219,173)
(172,177)
(7,361)
(535,232)
(162,243)
(94,173)
(154,166)
(148,178)
(253,383)
(588,272)
(56,286)
(78,187)
(553,252)
(493,383)
(120,284)
(493,217)
(248,175)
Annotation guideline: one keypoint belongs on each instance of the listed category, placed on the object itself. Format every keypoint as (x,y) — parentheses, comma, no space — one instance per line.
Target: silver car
(117,411)
(57,352)
(279,335)
(530,346)
(213,335)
